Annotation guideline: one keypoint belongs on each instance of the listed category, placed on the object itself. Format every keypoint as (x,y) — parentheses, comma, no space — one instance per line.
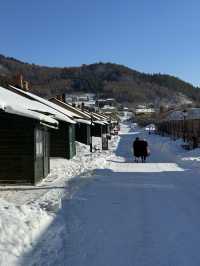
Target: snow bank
(167,148)
(20,226)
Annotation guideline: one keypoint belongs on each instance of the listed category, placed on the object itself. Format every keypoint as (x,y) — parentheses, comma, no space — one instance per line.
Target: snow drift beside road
(20,226)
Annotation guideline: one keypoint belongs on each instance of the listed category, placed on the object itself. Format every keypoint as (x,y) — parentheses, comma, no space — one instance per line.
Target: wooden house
(83,121)
(106,123)
(24,140)
(99,125)
(62,141)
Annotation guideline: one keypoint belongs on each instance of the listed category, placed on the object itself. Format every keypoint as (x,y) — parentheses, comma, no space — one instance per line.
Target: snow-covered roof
(38,104)
(2,105)
(83,121)
(77,113)
(108,116)
(99,116)
(13,103)
(99,122)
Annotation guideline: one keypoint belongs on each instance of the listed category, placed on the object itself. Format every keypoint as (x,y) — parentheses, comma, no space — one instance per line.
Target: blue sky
(149,36)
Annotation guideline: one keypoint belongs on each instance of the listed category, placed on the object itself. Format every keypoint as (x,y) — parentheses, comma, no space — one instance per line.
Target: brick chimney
(21,83)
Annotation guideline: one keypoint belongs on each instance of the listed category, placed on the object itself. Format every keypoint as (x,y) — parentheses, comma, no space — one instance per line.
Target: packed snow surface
(114,213)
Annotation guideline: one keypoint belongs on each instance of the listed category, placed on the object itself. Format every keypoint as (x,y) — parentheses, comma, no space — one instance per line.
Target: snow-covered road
(129,214)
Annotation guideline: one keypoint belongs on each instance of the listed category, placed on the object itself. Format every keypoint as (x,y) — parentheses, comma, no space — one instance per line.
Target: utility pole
(91,123)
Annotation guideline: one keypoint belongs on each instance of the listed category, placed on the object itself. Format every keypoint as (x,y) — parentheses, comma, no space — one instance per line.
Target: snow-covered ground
(114,211)
(26,211)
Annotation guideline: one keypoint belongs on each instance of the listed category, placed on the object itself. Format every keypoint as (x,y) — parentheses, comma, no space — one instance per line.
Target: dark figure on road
(144,150)
(137,149)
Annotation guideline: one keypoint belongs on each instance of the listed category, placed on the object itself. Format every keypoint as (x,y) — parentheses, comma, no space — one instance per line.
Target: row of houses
(34,129)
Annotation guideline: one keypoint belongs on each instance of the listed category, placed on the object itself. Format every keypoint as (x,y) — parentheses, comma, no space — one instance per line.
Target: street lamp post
(184,125)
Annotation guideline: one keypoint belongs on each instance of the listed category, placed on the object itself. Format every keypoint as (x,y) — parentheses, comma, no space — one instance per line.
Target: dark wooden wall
(97,130)
(104,129)
(62,141)
(18,160)
(82,133)
(16,149)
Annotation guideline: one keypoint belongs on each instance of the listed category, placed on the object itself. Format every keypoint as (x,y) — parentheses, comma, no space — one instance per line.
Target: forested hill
(106,79)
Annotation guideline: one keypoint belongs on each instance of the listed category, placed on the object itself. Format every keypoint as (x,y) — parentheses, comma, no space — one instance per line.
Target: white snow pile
(81,166)
(174,151)
(192,158)
(20,226)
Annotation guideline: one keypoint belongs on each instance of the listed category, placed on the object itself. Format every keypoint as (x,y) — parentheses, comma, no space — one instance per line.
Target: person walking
(136,149)
(144,150)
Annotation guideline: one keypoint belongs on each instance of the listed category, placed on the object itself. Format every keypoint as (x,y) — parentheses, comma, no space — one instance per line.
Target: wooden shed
(62,141)
(83,131)
(83,121)
(24,140)
(97,129)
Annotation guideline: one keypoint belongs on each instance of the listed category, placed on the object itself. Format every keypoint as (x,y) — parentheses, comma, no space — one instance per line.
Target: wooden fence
(188,130)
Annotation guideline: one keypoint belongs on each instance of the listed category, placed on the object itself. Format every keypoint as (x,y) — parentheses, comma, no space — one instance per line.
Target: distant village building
(105,102)
(86,100)
(83,97)
(144,111)
(108,109)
